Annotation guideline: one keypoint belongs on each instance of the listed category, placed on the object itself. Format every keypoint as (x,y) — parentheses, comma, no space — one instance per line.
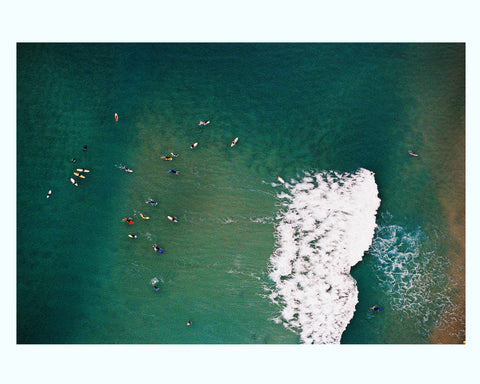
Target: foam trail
(328,225)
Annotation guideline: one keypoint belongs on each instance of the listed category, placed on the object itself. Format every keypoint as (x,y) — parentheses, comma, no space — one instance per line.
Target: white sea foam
(411,272)
(328,224)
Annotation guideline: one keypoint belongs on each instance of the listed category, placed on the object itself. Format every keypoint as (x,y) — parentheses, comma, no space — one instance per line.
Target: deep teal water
(295,108)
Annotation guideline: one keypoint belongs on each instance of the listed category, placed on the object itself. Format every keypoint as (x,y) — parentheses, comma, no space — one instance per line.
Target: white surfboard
(234,142)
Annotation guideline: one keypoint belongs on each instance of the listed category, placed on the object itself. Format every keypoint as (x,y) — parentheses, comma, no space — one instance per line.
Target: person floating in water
(156,248)
(376,308)
(174,171)
(132,236)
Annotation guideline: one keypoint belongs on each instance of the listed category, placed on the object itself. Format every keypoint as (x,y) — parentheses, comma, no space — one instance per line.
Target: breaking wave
(328,224)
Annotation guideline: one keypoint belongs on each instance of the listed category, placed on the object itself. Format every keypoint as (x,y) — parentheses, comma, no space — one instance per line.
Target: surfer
(204,122)
(168,158)
(152,202)
(174,154)
(132,236)
(156,248)
(189,323)
(411,153)
(376,308)
(234,142)
(127,169)
(172,218)
(73,181)
(84,148)
(194,145)
(144,217)
(155,287)
(74,160)
(116,116)
(129,220)
(174,171)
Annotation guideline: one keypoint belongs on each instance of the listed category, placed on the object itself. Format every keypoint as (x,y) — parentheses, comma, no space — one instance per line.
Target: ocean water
(357,221)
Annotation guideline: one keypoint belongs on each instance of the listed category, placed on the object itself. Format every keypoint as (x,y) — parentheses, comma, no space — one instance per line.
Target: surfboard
(234,142)
(281,180)
(412,154)
(74,182)
(83,170)
(79,175)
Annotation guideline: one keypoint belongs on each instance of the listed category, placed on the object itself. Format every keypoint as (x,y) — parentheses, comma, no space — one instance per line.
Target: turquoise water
(297,109)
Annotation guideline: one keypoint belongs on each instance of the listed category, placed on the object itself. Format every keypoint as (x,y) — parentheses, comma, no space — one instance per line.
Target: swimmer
(174,171)
(152,202)
(156,248)
(116,116)
(84,148)
(132,236)
(49,193)
(194,145)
